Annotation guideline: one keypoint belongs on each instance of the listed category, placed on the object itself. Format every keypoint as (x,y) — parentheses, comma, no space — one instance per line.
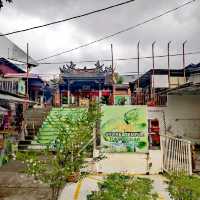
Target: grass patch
(119,186)
(183,187)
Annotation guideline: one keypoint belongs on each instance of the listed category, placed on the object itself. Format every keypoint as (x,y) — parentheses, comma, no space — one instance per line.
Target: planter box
(73,178)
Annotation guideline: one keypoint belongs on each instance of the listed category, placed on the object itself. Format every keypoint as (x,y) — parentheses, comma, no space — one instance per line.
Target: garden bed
(119,186)
(183,187)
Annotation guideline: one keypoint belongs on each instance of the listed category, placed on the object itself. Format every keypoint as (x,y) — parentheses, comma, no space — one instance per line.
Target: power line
(68,19)
(119,32)
(109,60)
(121,59)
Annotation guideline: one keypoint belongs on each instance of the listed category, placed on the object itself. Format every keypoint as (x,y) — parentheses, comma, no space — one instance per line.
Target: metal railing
(145,99)
(10,86)
(177,155)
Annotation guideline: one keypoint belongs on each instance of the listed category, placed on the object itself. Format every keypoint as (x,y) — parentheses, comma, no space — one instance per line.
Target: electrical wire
(68,19)
(121,59)
(119,32)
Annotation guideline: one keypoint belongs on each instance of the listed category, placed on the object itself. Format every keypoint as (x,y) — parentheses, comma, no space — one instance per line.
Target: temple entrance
(83,98)
(80,86)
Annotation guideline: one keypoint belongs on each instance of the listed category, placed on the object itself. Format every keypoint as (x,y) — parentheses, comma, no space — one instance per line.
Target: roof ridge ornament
(108,69)
(68,68)
(99,67)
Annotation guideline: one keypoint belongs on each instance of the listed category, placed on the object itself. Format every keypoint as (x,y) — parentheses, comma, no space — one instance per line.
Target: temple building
(79,86)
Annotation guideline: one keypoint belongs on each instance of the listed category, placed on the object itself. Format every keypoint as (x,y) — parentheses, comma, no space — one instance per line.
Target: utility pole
(184,74)
(153,62)
(112,65)
(168,55)
(27,74)
(138,59)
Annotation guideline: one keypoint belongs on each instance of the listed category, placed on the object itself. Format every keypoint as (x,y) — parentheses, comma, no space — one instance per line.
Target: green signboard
(21,87)
(122,100)
(124,129)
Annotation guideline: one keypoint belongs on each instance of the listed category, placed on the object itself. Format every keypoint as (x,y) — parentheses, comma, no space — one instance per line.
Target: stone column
(68,93)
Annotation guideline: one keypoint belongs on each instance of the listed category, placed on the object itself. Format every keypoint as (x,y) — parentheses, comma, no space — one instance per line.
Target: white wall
(133,163)
(9,50)
(183,115)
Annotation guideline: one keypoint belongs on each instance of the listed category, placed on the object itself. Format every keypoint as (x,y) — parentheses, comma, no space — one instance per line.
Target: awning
(21,75)
(13,99)
(186,89)
(2,109)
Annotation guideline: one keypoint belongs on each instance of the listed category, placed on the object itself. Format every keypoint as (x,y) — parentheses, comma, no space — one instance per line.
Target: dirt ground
(14,185)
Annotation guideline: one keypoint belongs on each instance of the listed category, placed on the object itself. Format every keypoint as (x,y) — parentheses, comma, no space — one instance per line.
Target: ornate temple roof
(69,71)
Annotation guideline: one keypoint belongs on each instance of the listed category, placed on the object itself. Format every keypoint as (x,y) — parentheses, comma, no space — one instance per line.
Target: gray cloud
(179,26)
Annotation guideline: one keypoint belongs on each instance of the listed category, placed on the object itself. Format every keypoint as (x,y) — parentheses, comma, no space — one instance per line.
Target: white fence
(177,155)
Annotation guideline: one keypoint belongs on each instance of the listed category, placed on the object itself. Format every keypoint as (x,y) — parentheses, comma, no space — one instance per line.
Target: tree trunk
(55,193)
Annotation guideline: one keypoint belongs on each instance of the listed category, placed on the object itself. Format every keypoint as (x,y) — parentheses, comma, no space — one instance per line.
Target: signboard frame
(124,129)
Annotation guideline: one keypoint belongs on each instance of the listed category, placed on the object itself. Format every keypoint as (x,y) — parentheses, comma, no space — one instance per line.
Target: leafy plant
(183,187)
(118,186)
(122,101)
(1,2)
(119,79)
(67,156)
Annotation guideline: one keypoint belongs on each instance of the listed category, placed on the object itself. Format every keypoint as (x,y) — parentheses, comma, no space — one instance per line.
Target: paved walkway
(80,190)
(14,185)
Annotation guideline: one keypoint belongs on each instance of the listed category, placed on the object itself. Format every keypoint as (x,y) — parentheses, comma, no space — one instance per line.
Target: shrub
(183,187)
(118,186)
(66,157)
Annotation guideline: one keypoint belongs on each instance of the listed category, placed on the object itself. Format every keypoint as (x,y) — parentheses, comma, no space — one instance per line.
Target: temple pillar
(100,92)
(68,93)
(68,96)
(100,95)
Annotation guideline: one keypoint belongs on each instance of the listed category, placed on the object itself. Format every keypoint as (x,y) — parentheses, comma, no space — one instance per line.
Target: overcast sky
(183,24)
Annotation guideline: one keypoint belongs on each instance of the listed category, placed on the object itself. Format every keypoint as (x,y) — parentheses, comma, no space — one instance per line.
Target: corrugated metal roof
(13,99)
(2,109)
(21,75)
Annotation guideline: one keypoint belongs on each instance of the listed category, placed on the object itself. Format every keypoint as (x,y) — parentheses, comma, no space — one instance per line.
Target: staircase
(48,131)
(33,119)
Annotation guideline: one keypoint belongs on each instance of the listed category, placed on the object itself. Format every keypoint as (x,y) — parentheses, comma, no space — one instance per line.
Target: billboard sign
(124,129)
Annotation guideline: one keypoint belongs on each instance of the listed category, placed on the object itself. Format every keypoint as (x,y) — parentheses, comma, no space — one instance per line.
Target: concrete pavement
(79,191)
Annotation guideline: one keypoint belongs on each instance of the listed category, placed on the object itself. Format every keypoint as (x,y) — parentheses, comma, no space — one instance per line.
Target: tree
(65,157)
(119,79)
(1,2)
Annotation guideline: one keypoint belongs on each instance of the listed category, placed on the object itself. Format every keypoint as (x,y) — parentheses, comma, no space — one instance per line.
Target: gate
(177,155)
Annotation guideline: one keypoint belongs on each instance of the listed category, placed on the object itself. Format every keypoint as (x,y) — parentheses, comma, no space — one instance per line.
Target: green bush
(182,187)
(122,187)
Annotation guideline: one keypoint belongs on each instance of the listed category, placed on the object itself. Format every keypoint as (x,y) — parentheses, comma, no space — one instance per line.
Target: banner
(124,129)
(21,87)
